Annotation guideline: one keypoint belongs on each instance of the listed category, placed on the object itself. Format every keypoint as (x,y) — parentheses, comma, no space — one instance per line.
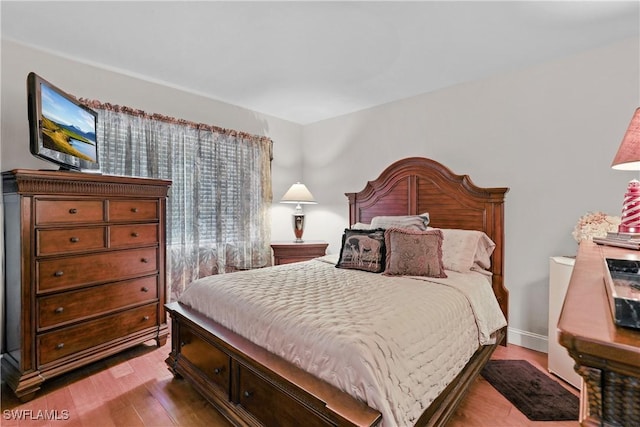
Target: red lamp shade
(628,158)
(628,155)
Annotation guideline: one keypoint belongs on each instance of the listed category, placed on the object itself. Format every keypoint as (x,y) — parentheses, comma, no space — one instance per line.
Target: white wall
(549,133)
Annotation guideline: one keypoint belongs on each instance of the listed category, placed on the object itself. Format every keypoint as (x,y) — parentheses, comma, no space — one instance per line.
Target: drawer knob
(144,260)
(134,234)
(58,273)
(59,310)
(218,371)
(74,239)
(145,318)
(144,289)
(248,393)
(59,346)
(73,211)
(134,210)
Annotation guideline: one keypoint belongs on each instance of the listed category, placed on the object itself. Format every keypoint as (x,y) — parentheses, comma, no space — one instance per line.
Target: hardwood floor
(134,388)
(485,407)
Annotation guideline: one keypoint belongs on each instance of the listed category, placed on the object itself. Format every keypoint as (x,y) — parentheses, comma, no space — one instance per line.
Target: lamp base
(630,220)
(628,230)
(298,227)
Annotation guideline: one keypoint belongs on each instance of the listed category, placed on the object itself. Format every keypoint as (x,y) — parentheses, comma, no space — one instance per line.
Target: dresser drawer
(69,240)
(72,272)
(209,360)
(68,211)
(133,210)
(130,235)
(76,305)
(259,397)
(54,345)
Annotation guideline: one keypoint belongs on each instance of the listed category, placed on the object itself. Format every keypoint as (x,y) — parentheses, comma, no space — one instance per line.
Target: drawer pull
(144,289)
(59,310)
(218,371)
(134,210)
(58,273)
(248,393)
(145,318)
(182,343)
(74,239)
(134,234)
(144,260)
(73,211)
(59,346)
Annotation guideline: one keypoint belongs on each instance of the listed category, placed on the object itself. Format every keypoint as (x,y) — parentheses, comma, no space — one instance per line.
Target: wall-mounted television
(62,130)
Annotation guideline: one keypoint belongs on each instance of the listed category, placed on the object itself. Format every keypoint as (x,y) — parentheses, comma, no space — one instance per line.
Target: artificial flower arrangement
(595,224)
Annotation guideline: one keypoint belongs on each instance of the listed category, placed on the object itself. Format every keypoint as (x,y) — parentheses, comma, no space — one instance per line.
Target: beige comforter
(393,342)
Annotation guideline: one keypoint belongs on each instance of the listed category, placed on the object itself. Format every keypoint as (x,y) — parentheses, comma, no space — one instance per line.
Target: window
(219,202)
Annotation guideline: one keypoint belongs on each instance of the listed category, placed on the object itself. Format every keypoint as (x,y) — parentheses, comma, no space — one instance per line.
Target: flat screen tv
(62,130)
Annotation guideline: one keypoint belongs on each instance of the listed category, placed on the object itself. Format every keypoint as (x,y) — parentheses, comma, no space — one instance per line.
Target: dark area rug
(533,392)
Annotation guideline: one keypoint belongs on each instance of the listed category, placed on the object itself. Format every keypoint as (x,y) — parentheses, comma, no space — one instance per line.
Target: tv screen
(62,130)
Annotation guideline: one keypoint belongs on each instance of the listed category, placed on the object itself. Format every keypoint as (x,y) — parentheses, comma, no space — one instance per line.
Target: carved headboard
(416,185)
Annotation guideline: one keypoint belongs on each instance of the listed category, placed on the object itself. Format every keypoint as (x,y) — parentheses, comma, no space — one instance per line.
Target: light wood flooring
(134,388)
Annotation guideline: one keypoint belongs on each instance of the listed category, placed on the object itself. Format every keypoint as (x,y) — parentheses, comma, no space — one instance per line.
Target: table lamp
(628,158)
(300,195)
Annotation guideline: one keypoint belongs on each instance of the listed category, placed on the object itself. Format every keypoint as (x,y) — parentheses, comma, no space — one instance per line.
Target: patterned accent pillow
(414,253)
(362,250)
(415,222)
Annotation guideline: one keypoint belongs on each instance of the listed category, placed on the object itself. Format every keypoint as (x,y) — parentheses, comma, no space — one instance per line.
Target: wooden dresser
(606,356)
(85,271)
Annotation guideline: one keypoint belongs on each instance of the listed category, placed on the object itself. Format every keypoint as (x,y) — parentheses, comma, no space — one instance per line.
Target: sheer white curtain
(219,202)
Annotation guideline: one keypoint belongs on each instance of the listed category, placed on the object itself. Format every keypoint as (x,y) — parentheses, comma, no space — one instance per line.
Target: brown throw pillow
(414,253)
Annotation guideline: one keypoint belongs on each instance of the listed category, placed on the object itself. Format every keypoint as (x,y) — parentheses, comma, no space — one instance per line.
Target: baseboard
(528,340)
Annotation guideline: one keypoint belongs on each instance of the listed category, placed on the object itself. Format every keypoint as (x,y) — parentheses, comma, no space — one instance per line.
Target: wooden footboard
(252,387)
(249,385)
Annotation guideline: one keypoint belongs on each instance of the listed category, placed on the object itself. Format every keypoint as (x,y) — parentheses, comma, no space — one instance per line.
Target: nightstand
(559,362)
(288,252)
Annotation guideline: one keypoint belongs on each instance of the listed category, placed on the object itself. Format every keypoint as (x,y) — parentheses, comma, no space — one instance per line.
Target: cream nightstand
(559,361)
(288,252)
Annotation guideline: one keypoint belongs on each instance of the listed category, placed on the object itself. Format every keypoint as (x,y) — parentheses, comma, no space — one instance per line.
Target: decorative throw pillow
(415,222)
(362,250)
(466,250)
(414,253)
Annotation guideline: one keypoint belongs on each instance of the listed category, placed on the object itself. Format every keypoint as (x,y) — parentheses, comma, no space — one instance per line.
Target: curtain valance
(97,105)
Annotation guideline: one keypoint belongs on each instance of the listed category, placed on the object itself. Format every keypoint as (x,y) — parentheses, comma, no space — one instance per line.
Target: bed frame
(253,387)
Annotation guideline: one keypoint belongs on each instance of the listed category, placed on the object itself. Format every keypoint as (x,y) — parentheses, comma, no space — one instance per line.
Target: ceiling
(308,61)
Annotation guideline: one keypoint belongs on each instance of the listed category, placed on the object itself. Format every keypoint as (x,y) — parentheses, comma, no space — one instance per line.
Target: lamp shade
(628,155)
(298,193)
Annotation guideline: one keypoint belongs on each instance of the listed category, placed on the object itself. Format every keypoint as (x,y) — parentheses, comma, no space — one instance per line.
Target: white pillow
(361,226)
(415,222)
(466,250)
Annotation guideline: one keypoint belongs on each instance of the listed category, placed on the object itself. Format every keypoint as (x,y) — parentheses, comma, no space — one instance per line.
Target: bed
(325,349)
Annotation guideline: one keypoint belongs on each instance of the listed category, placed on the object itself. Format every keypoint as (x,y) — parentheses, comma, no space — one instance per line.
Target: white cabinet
(559,362)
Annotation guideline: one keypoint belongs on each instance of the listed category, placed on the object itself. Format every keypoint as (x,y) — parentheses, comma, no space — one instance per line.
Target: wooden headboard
(416,185)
